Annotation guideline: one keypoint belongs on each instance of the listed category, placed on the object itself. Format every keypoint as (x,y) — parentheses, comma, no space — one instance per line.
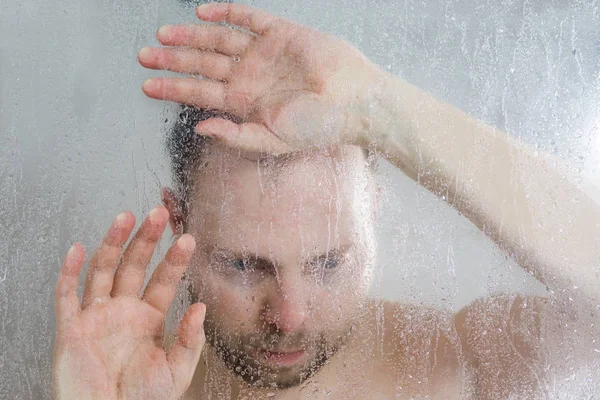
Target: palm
(279,79)
(290,86)
(276,70)
(124,339)
(111,346)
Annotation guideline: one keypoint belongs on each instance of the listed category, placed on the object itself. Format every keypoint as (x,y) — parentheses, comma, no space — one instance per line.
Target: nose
(285,305)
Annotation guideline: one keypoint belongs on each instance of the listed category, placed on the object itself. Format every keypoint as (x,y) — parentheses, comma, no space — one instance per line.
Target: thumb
(249,137)
(185,353)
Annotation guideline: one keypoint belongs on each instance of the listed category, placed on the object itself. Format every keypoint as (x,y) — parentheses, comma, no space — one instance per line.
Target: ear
(173,204)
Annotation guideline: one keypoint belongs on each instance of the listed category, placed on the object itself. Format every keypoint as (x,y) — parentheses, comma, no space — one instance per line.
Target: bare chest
(348,377)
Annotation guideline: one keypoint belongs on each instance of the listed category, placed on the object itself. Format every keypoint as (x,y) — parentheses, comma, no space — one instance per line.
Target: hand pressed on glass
(109,346)
(291,87)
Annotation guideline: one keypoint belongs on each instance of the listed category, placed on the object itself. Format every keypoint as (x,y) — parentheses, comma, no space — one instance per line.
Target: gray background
(79,142)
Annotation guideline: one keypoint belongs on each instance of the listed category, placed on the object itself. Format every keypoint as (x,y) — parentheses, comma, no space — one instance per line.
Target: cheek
(335,304)
(227,305)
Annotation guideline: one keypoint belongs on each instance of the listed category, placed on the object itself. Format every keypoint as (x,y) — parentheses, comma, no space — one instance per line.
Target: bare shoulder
(500,338)
(486,350)
(420,347)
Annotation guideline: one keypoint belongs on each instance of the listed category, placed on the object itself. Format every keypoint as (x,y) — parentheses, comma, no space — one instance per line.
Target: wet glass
(329,271)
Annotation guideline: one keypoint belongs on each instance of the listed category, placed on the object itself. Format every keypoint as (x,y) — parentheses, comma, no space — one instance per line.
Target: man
(275,204)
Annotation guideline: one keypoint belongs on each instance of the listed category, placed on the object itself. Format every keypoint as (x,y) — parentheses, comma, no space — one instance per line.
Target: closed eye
(240,264)
(226,261)
(250,264)
(324,263)
(330,262)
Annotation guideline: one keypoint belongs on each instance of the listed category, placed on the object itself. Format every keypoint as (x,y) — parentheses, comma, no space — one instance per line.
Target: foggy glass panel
(80,142)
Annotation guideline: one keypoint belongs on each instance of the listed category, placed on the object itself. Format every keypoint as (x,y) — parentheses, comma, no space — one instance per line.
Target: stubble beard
(235,351)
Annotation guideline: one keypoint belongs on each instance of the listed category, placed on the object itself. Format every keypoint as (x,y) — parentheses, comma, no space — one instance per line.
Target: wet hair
(186,148)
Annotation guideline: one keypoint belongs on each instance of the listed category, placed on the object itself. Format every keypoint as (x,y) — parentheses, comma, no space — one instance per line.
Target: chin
(276,371)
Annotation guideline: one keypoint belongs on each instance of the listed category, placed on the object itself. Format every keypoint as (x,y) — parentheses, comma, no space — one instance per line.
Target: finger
(162,286)
(253,19)
(194,92)
(188,61)
(221,39)
(129,277)
(249,137)
(185,353)
(99,279)
(67,302)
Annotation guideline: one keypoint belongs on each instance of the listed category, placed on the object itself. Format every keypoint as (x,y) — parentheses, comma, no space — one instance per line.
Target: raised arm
(518,197)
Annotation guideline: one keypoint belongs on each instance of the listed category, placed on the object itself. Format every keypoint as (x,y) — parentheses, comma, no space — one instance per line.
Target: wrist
(385,121)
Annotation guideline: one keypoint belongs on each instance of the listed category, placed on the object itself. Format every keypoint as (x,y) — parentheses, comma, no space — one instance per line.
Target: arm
(522,202)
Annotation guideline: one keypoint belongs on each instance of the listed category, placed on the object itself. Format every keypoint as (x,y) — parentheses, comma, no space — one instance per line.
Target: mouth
(281,358)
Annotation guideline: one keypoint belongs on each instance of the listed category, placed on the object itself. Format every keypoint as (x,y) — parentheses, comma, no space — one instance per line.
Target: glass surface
(80,142)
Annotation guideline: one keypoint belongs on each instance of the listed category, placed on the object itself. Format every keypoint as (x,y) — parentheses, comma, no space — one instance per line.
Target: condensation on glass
(80,142)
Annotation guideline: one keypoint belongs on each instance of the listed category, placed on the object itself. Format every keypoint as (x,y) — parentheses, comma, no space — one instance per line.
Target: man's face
(284,255)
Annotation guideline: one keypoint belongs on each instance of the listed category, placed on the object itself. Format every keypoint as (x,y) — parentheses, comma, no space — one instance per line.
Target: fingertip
(201,130)
(211,12)
(198,311)
(74,258)
(201,310)
(72,251)
(214,127)
(122,218)
(124,221)
(144,54)
(186,242)
(149,85)
(77,249)
(163,32)
(193,321)
(201,9)
(159,214)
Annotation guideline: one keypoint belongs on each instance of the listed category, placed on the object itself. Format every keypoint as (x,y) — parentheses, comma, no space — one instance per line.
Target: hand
(109,346)
(290,87)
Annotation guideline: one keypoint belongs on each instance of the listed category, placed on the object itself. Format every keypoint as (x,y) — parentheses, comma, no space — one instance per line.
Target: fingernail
(144,53)
(71,259)
(153,215)
(71,252)
(163,31)
(117,223)
(186,242)
(149,84)
(121,218)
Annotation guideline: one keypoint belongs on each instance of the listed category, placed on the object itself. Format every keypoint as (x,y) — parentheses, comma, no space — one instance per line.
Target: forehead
(306,202)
